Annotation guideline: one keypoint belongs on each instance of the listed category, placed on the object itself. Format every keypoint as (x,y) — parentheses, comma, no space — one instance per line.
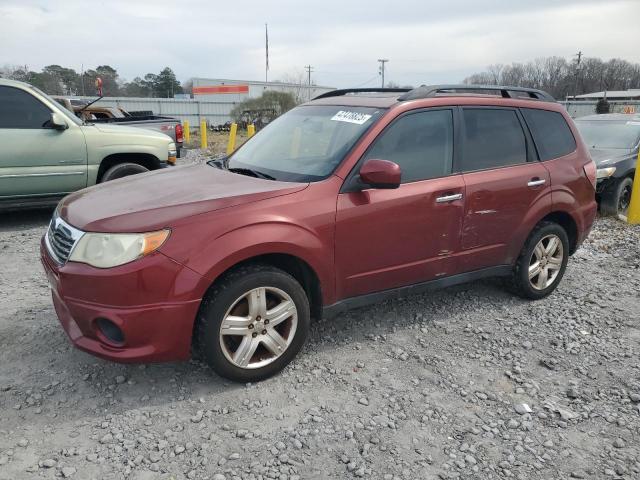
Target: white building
(235,91)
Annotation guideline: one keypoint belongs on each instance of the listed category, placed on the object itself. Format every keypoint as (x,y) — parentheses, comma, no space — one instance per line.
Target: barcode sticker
(351,117)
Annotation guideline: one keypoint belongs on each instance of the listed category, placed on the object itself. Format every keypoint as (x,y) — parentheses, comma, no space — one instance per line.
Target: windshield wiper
(250,172)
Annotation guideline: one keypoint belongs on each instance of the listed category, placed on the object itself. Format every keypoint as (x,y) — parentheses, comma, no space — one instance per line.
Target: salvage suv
(48,152)
(355,197)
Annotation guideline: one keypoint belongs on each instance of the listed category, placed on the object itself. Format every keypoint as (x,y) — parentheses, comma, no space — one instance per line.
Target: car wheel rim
(258,327)
(546,262)
(624,200)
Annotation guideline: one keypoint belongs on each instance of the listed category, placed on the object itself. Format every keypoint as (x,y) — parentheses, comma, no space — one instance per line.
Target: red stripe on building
(220,89)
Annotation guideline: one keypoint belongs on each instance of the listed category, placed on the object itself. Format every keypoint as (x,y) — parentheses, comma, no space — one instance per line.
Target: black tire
(223,295)
(122,170)
(520,283)
(615,199)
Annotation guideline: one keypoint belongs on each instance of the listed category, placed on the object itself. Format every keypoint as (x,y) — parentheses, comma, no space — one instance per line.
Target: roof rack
(427,91)
(345,91)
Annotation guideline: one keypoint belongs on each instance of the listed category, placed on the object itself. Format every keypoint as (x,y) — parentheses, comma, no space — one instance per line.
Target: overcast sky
(425,41)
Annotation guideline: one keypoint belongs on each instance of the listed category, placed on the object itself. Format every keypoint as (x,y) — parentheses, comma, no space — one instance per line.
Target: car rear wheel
(542,262)
(616,199)
(123,170)
(253,323)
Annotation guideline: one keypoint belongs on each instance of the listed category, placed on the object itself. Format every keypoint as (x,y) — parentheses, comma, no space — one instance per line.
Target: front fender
(271,237)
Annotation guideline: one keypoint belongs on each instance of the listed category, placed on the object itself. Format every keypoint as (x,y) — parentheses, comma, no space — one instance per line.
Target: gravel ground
(468,382)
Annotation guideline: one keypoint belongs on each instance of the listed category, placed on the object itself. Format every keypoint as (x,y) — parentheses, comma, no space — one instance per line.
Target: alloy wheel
(258,327)
(546,262)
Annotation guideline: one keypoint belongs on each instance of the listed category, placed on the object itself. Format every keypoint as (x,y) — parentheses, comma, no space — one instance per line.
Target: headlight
(105,250)
(605,172)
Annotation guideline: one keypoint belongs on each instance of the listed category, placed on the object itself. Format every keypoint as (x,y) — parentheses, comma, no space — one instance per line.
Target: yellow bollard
(186,131)
(251,130)
(633,216)
(231,146)
(203,133)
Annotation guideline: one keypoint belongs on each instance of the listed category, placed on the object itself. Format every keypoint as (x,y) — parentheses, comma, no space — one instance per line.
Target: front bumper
(154,301)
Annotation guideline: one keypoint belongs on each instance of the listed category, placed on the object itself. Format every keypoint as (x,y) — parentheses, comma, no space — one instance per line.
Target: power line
(309,69)
(381,69)
(575,88)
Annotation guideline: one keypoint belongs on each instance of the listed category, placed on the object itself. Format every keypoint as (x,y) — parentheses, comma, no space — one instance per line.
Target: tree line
(58,80)
(562,78)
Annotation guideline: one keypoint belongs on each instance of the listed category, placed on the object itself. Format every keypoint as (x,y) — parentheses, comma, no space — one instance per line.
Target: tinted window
(18,109)
(550,132)
(421,143)
(493,138)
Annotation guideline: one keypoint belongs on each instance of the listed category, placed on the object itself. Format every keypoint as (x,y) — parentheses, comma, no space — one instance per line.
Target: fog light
(110,331)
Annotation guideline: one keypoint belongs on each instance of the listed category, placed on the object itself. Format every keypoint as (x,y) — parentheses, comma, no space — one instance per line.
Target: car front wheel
(122,170)
(253,323)
(542,261)
(617,198)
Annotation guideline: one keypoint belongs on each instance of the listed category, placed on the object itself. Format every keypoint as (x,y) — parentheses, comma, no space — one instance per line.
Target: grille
(61,238)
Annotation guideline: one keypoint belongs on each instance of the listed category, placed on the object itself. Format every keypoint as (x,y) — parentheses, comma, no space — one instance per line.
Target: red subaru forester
(354,197)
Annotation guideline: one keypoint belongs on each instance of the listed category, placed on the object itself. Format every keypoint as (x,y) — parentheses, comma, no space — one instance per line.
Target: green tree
(166,84)
(137,88)
(269,105)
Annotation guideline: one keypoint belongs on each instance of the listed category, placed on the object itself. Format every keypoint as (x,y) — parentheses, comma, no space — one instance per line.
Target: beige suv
(48,152)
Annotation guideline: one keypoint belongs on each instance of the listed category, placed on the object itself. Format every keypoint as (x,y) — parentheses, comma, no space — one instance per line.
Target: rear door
(36,160)
(506,186)
(392,238)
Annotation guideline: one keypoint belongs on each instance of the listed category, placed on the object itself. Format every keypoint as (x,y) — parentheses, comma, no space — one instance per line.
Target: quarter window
(551,134)
(493,138)
(18,109)
(421,143)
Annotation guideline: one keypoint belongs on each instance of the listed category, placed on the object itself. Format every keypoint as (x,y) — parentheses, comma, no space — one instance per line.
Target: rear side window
(18,109)
(551,134)
(493,138)
(421,143)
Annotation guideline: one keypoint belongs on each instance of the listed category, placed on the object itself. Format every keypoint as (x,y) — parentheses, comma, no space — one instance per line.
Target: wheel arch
(146,160)
(568,223)
(292,264)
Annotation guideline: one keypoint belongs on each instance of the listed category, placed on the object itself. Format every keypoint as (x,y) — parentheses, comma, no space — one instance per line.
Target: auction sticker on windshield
(351,117)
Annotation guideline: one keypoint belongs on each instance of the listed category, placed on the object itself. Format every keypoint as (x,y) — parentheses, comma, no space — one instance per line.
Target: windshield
(70,115)
(305,144)
(604,134)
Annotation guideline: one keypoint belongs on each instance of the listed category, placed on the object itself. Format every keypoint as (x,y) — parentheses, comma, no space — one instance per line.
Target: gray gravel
(468,382)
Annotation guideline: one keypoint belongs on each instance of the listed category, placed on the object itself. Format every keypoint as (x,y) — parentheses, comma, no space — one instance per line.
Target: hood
(155,200)
(123,129)
(609,156)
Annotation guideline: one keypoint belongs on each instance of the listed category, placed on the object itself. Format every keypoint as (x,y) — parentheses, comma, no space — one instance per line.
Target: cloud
(426,41)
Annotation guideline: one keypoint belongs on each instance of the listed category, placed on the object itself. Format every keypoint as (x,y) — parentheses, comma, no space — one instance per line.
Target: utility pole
(575,88)
(381,68)
(309,69)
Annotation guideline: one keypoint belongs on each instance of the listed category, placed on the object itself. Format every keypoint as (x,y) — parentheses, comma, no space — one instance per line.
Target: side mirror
(57,122)
(381,174)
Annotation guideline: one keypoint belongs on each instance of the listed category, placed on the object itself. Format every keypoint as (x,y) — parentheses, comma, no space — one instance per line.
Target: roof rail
(345,91)
(426,91)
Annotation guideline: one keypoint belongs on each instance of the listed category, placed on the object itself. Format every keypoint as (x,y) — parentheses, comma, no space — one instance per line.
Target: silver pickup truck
(95,112)
(48,152)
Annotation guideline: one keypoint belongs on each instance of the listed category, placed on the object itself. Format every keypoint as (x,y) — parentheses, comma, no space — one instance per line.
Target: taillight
(179,133)
(590,172)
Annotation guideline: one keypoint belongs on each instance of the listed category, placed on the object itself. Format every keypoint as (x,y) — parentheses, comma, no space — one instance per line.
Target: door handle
(449,198)
(535,182)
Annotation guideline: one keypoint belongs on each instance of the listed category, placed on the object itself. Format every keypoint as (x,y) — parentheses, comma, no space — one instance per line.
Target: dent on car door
(506,186)
(35,159)
(387,238)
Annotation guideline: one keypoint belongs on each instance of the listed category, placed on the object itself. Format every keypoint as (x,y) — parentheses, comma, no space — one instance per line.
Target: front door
(36,160)
(392,238)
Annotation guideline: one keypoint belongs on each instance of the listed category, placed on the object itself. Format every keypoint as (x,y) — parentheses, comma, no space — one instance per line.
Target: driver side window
(18,109)
(421,143)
